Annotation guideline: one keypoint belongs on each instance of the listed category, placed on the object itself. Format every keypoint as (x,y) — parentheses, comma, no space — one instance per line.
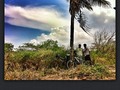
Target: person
(79,52)
(86,53)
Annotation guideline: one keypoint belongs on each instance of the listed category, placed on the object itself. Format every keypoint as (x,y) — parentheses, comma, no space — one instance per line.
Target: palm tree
(75,10)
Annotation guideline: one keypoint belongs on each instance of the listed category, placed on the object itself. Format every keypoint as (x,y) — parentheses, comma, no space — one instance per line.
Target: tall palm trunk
(72,37)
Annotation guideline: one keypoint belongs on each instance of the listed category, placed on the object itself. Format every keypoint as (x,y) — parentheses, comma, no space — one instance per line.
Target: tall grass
(42,64)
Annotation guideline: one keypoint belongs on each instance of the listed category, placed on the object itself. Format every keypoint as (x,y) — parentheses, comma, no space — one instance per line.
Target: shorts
(87,58)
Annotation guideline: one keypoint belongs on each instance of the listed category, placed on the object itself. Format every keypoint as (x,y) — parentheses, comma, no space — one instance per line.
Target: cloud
(62,35)
(101,17)
(102,21)
(45,17)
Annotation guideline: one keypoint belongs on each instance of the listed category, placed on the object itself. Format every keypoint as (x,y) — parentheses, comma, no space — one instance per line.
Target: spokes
(70,64)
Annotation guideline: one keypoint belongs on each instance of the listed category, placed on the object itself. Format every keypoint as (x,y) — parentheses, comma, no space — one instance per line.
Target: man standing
(86,53)
(79,52)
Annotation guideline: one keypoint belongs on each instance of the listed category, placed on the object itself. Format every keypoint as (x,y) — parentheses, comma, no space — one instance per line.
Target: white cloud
(44,18)
(62,35)
(101,17)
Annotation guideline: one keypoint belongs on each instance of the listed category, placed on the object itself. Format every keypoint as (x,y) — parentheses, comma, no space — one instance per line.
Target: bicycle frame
(78,60)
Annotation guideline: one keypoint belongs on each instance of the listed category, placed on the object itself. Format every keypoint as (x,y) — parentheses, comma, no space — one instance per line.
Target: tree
(75,9)
(49,44)
(27,46)
(103,41)
(8,47)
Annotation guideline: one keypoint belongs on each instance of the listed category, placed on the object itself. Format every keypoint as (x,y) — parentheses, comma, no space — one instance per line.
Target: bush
(43,58)
(97,71)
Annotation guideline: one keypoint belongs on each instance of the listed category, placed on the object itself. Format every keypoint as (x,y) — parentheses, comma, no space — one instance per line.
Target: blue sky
(23,3)
(38,20)
(33,2)
(25,34)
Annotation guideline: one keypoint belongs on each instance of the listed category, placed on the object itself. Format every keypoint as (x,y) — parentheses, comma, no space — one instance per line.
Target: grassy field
(41,63)
(81,72)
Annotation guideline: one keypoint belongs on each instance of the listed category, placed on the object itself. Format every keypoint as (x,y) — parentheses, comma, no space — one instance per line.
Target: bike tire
(70,64)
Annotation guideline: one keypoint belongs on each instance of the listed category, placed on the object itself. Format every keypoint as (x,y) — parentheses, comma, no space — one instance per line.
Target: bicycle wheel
(70,64)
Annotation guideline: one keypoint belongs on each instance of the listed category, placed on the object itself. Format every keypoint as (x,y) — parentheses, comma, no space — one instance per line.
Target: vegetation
(8,47)
(41,64)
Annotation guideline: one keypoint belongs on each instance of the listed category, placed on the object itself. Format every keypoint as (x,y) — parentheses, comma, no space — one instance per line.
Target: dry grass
(81,72)
(39,66)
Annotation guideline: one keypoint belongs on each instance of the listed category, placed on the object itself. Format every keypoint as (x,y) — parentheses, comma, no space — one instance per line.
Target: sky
(35,21)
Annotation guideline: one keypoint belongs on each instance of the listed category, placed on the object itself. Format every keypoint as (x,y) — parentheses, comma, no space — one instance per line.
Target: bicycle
(63,60)
(69,63)
(75,62)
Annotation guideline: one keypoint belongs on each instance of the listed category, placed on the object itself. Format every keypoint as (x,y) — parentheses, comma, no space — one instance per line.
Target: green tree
(27,46)
(75,9)
(8,47)
(49,44)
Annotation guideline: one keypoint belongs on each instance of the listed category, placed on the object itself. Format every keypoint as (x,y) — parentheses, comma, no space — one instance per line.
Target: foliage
(41,64)
(8,47)
(97,71)
(44,56)
(81,72)
(104,41)
(103,49)
(50,44)
(27,46)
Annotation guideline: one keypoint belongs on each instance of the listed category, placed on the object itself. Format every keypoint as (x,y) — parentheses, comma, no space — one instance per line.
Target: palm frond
(103,3)
(82,21)
(77,5)
(85,4)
